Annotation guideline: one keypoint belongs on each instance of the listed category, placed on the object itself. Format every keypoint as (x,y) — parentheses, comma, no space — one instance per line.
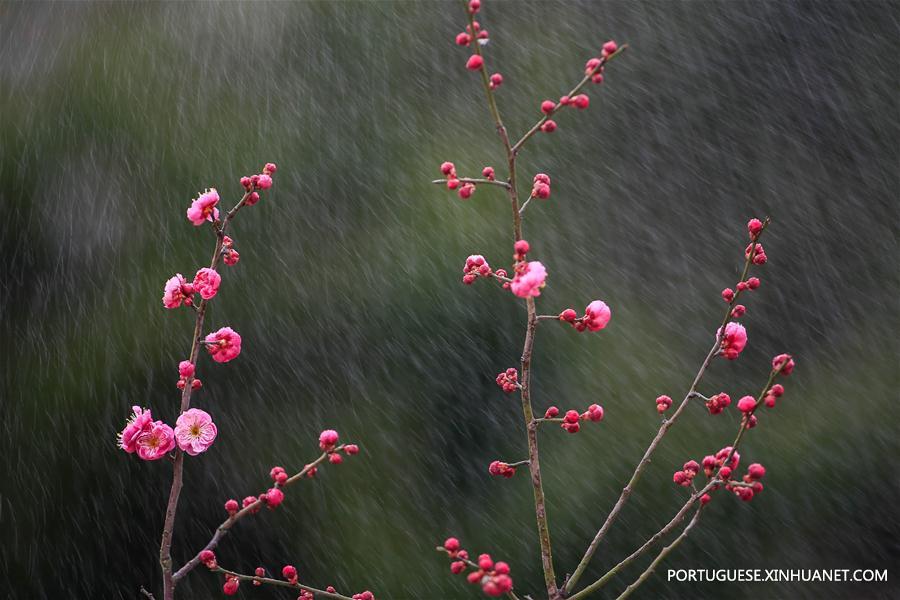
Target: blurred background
(349,300)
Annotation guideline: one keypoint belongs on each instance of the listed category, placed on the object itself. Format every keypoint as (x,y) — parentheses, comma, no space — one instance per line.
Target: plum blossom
(139,421)
(155,441)
(529,280)
(597,315)
(206,283)
(223,345)
(734,338)
(177,291)
(204,208)
(195,431)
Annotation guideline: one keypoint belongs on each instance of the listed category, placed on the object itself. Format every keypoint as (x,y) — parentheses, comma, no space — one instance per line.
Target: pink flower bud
(231,506)
(610,47)
(581,101)
(351,449)
(465,192)
(597,78)
(488,173)
(663,403)
(548,106)
(572,416)
(457,567)
(463,39)
(231,586)
(289,572)
(785,362)
(447,168)
(451,544)
(777,390)
(704,499)
(728,294)
(591,64)
(245,183)
(551,413)
(691,467)
(274,497)
(186,368)
(208,558)
(335,459)
(264,182)
(680,478)
(541,190)
(753,283)
(475,62)
(549,126)
(754,227)
(327,439)
(756,471)
(270,168)
(571,427)
(259,572)
(725,472)
(738,311)
(568,315)
(746,404)
(485,563)
(474,6)
(496,80)
(742,286)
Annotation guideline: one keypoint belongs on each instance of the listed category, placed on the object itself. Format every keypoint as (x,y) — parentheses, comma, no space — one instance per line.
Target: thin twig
(281,583)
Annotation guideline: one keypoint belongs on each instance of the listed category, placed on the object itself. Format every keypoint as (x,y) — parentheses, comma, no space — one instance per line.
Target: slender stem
(502,184)
(165,546)
(666,425)
(679,516)
(282,583)
(537,126)
(661,556)
(223,529)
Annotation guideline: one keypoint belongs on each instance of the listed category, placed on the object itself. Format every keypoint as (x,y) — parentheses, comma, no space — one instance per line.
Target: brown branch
(165,546)
(661,556)
(281,583)
(502,184)
(666,425)
(223,529)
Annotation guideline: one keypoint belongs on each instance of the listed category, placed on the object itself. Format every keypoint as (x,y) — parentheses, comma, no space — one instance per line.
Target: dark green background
(348,293)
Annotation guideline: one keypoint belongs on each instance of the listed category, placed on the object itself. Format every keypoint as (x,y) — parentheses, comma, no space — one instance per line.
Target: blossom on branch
(223,345)
(195,431)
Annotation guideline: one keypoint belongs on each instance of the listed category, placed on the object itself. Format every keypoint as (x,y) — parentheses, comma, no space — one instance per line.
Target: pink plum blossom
(206,283)
(529,280)
(204,208)
(224,345)
(195,431)
(733,340)
(155,441)
(327,439)
(597,315)
(177,291)
(139,421)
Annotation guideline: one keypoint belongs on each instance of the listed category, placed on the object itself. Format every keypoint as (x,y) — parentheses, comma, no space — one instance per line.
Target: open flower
(139,421)
(224,345)
(206,283)
(195,431)
(155,441)
(529,280)
(177,291)
(204,208)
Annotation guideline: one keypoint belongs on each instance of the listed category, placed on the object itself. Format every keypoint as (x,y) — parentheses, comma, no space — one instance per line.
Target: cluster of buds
(493,577)
(579,101)
(476,266)
(328,443)
(663,403)
(593,68)
(488,173)
(230,256)
(541,187)
(261,181)
(753,486)
(716,404)
(501,469)
(570,422)
(465,190)
(230,588)
(186,371)
(508,380)
(366,595)
(464,38)
(686,476)
(596,317)
(759,254)
(717,461)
